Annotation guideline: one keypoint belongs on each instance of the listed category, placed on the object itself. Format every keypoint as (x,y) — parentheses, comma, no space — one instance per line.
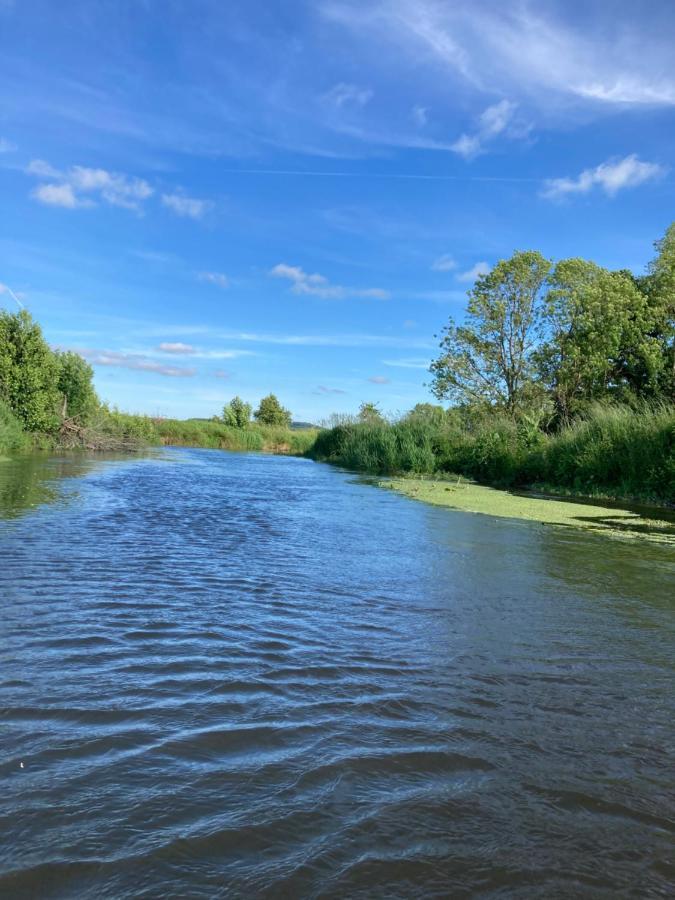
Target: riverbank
(466,496)
(618,452)
(217,436)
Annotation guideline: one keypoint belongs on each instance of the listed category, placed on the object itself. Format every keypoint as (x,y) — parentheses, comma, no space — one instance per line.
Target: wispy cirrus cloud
(344,94)
(186,207)
(217,278)
(611,177)
(498,119)
(322,389)
(379,379)
(319,286)
(80,186)
(176,347)
(523,49)
(135,361)
(407,363)
(7,146)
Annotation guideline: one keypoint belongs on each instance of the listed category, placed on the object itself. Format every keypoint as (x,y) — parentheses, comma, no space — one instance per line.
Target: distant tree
(426,414)
(236,413)
(596,322)
(75,385)
(271,412)
(29,372)
(488,359)
(369,414)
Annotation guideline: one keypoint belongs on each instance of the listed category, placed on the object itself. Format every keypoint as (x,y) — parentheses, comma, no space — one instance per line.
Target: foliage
(597,325)
(613,450)
(369,414)
(271,412)
(217,435)
(237,414)
(11,434)
(28,372)
(75,385)
(489,357)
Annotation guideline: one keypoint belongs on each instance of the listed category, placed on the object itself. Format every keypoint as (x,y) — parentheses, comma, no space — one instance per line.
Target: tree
(29,372)
(75,384)
(488,359)
(595,323)
(426,414)
(369,414)
(271,412)
(659,286)
(236,413)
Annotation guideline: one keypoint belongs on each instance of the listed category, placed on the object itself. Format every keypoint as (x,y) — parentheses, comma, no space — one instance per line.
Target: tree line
(552,338)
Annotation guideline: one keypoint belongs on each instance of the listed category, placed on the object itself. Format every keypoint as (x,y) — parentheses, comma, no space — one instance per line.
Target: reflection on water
(249,676)
(29,480)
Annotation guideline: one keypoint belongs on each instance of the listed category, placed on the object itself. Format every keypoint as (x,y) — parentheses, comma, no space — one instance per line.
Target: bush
(12,437)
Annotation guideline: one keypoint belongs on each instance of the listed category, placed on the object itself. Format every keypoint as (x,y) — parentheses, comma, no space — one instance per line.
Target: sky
(207,199)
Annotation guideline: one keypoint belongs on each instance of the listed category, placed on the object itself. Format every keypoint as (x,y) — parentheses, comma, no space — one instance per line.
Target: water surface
(234,675)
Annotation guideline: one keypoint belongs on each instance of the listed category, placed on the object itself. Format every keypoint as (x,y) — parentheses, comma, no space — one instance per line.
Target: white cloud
(444,263)
(493,121)
(176,347)
(134,361)
(527,48)
(190,207)
(610,176)
(481,268)
(319,286)
(322,389)
(379,379)
(58,195)
(76,186)
(7,146)
(217,278)
(344,94)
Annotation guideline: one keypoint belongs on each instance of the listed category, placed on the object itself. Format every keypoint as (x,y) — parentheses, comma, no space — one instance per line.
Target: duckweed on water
(469,497)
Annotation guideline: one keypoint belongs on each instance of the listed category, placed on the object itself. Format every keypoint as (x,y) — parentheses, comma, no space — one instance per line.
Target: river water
(236,675)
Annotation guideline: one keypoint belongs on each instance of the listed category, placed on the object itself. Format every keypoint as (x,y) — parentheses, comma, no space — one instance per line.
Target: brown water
(230,675)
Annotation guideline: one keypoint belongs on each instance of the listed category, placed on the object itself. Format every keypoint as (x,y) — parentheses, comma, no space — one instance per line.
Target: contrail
(7,288)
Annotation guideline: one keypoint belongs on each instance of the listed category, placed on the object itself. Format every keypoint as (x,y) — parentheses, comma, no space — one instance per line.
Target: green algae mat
(629,524)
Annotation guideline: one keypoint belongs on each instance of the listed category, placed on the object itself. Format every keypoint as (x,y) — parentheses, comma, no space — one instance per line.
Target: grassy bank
(612,451)
(469,497)
(215,435)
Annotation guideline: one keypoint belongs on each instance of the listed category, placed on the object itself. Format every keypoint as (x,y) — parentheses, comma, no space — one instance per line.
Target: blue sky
(209,199)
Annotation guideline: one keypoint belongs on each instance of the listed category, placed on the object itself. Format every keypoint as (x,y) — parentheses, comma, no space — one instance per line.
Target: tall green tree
(489,358)
(659,286)
(236,413)
(29,372)
(597,325)
(271,412)
(75,384)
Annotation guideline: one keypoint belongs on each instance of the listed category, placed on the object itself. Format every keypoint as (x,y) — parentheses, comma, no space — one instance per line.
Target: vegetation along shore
(561,377)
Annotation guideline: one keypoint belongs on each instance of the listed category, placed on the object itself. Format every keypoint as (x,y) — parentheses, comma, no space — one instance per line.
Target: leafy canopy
(236,413)
(271,412)
(488,359)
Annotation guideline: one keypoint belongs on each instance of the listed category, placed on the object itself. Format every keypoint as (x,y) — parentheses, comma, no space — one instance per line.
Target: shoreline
(465,496)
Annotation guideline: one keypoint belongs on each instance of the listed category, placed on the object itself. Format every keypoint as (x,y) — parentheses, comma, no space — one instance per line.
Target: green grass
(612,451)
(215,435)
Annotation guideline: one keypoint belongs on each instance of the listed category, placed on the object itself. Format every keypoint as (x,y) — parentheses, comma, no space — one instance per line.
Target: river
(237,675)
